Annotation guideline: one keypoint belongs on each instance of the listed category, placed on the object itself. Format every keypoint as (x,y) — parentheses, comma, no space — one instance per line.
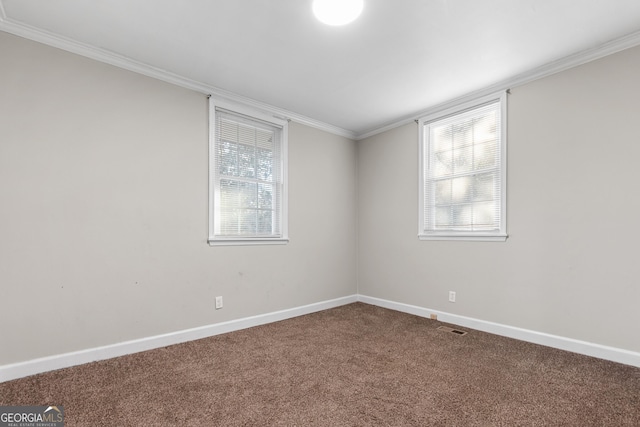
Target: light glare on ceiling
(337,12)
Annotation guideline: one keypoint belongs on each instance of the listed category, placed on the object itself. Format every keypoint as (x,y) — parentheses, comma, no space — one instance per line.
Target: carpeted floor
(356,365)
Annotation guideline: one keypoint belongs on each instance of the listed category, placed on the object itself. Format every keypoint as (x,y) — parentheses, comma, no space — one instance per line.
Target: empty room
(319,212)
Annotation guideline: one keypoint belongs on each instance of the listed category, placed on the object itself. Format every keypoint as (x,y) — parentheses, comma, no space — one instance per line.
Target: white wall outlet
(218,303)
(452,296)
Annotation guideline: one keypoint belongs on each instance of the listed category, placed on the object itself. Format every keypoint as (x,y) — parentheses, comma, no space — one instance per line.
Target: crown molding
(45,37)
(554,67)
(102,55)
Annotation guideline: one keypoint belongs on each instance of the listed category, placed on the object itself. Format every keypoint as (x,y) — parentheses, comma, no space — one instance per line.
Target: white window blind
(463,173)
(248,180)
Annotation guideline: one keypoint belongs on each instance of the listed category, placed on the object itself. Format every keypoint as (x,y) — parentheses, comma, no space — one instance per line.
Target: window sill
(466,238)
(247,242)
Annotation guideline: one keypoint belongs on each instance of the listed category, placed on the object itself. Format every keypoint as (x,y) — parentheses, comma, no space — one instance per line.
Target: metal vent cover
(451,330)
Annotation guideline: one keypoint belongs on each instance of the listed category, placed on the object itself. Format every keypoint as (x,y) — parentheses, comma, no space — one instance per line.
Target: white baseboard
(44,364)
(36,366)
(581,347)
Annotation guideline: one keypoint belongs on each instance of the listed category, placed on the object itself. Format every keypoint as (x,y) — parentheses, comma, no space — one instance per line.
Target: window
(247,169)
(463,172)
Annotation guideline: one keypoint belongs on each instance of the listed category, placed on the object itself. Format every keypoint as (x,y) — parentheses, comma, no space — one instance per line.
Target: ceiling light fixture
(337,12)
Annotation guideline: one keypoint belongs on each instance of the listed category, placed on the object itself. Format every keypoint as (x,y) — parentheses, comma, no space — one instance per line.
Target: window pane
(484,215)
(442,139)
(229,222)
(264,139)
(486,127)
(461,189)
(443,217)
(461,216)
(443,192)
(228,130)
(264,165)
(246,134)
(247,161)
(248,192)
(265,222)
(484,187)
(463,134)
(265,196)
(463,160)
(486,155)
(247,221)
(442,164)
(229,194)
(227,158)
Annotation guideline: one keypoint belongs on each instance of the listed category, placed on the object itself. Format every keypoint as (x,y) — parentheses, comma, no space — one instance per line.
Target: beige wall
(103,214)
(570,266)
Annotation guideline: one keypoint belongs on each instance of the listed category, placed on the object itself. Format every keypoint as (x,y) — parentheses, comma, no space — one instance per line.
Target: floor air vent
(453,331)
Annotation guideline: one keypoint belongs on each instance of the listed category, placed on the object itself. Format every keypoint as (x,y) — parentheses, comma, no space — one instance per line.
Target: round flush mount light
(337,12)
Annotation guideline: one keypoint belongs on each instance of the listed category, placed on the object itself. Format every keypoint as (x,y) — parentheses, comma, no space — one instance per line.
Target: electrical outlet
(452,296)
(218,303)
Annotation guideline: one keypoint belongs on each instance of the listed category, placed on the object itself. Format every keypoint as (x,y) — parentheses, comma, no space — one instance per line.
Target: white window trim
(484,236)
(258,115)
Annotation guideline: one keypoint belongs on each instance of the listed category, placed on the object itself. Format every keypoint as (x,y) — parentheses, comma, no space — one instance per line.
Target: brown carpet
(356,365)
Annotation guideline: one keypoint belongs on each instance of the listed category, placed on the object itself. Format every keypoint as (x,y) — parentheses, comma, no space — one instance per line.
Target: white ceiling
(399,58)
